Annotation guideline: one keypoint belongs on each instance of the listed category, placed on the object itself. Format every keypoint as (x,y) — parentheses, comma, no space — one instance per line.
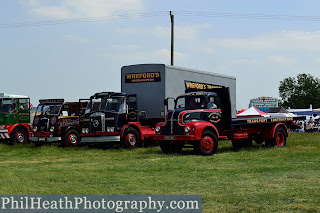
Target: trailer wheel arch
(268,132)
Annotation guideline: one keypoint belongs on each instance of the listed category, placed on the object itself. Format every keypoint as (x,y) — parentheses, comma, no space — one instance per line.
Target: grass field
(255,179)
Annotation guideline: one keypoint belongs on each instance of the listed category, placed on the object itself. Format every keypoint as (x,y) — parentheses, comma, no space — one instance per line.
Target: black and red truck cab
(112,117)
(194,121)
(56,121)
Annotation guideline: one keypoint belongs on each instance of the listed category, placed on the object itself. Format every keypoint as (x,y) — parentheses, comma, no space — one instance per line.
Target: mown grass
(255,179)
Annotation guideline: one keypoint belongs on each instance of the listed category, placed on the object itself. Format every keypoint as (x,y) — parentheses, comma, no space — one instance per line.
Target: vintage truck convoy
(130,116)
(14,118)
(57,121)
(203,117)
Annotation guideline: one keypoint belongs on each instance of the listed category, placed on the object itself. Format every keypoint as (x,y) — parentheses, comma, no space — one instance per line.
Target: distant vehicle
(15,118)
(57,121)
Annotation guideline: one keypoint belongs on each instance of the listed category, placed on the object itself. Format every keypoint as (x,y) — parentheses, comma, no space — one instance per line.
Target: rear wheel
(208,144)
(71,138)
(19,135)
(279,138)
(131,139)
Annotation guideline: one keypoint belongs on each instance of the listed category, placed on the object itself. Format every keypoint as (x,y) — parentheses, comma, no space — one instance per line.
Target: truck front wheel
(130,139)
(71,138)
(19,135)
(279,138)
(208,144)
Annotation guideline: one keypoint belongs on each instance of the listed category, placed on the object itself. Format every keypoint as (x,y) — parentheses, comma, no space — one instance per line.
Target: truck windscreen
(48,109)
(191,102)
(113,104)
(5,105)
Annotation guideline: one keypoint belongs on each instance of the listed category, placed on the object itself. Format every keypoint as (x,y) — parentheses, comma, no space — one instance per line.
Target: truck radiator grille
(177,129)
(44,124)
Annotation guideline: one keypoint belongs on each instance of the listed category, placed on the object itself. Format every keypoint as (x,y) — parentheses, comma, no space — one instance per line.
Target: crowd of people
(311,125)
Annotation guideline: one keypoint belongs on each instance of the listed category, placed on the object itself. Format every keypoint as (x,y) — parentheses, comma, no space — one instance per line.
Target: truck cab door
(132,108)
(225,105)
(82,108)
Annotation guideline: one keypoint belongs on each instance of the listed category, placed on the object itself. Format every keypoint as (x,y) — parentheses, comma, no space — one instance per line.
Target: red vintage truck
(202,118)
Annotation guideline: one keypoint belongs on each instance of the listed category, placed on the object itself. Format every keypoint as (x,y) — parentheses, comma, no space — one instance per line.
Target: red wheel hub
(131,140)
(206,143)
(280,139)
(72,139)
(19,137)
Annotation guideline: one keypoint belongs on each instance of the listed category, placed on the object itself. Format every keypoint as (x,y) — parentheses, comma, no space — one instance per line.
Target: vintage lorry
(14,118)
(57,121)
(130,116)
(202,117)
(112,117)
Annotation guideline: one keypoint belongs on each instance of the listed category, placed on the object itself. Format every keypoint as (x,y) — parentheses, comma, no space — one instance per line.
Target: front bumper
(173,138)
(45,139)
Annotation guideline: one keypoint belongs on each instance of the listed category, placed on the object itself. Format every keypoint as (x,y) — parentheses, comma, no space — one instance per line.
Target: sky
(72,49)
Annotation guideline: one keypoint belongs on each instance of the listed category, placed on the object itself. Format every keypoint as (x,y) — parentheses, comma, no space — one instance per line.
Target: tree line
(300,92)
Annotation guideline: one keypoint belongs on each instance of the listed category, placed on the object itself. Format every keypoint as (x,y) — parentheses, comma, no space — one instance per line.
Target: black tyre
(19,135)
(131,139)
(279,138)
(208,144)
(258,140)
(247,142)
(237,144)
(71,138)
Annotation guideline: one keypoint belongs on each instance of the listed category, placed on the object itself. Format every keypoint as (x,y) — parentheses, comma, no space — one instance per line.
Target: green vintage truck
(14,118)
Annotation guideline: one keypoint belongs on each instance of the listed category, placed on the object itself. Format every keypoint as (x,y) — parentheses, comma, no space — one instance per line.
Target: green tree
(300,92)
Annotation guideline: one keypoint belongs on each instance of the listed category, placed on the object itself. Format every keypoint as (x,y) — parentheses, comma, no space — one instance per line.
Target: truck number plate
(42,139)
(169,137)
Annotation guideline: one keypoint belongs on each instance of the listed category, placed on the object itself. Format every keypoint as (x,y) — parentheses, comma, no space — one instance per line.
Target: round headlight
(35,128)
(108,129)
(83,130)
(157,128)
(112,129)
(87,130)
(52,129)
(186,129)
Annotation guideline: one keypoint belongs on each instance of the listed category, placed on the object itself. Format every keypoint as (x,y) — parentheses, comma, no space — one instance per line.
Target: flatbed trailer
(193,121)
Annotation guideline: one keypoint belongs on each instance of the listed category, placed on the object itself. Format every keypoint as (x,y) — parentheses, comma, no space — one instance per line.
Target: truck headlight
(157,129)
(108,129)
(35,128)
(112,129)
(1,127)
(187,129)
(52,129)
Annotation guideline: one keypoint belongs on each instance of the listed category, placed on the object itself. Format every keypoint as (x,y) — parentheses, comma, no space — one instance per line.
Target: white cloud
(284,40)
(82,8)
(76,39)
(125,47)
(245,61)
(281,59)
